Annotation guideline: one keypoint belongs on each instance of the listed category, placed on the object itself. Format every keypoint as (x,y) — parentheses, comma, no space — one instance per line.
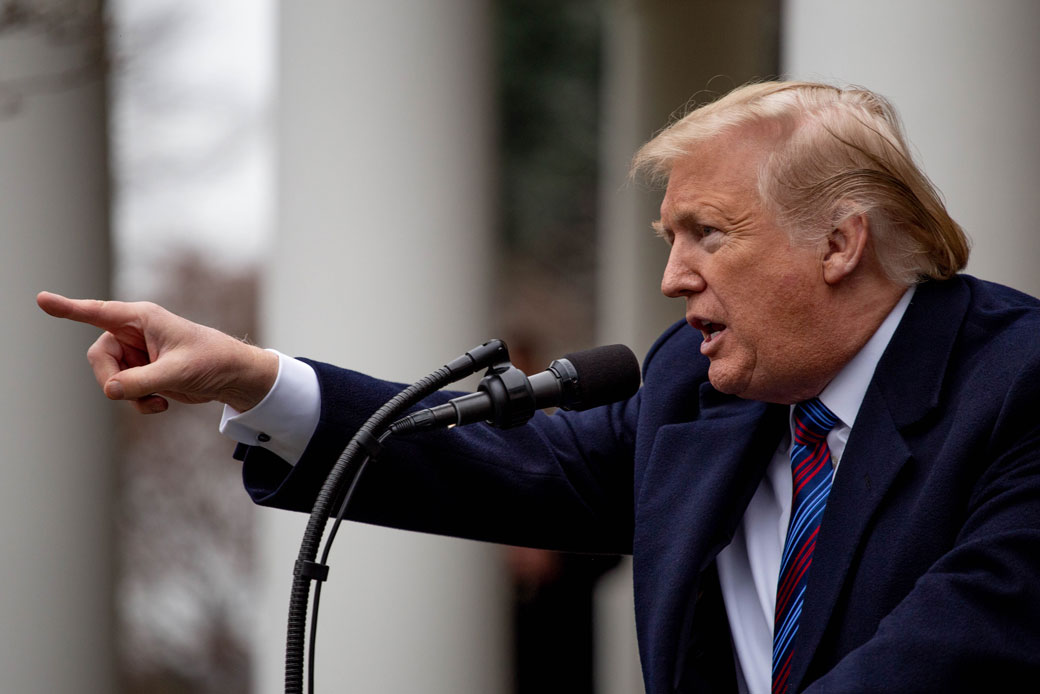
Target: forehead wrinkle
(687,213)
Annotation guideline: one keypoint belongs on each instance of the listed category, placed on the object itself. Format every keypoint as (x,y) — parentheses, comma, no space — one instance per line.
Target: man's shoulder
(988,293)
(998,320)
(973,301)
(964,339)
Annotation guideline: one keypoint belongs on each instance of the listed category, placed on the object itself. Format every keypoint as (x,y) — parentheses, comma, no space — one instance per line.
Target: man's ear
(845,247)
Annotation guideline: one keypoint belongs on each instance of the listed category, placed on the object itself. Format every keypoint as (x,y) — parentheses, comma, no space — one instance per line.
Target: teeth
(709,331)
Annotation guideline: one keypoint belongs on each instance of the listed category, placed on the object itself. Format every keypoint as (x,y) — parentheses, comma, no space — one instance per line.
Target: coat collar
(910,374)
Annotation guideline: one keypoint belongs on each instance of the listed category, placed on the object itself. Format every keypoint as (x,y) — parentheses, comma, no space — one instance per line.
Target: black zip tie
(369,443)
(312,570)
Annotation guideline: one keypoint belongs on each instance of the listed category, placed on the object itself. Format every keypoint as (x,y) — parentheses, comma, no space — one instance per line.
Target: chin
(740,385)
(725,381)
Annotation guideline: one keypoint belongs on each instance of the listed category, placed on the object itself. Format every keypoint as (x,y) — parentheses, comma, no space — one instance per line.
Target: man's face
(760,301)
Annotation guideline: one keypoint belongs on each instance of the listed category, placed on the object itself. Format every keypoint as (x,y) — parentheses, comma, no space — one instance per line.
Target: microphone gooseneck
(506,398)
(340,481)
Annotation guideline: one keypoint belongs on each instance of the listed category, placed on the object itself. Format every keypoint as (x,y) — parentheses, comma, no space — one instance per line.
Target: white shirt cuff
(284,421)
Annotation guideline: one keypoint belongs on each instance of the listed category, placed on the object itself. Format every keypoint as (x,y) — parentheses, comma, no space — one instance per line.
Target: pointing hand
(147,355)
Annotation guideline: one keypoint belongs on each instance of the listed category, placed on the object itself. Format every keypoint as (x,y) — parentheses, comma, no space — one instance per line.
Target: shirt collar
(845,393)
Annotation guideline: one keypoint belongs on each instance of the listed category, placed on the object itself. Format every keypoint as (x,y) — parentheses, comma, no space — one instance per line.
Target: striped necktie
(812,472)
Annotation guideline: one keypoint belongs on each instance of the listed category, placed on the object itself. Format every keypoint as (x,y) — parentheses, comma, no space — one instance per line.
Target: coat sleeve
(562,481)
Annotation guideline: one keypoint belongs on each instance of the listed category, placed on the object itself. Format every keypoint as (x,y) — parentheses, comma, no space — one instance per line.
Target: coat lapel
(904,388)
(731,443)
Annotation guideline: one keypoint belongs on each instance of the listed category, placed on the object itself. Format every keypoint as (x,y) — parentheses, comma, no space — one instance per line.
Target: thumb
(135,382)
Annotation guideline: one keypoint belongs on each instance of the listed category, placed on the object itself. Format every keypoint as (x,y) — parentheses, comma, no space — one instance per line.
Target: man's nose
(681,278)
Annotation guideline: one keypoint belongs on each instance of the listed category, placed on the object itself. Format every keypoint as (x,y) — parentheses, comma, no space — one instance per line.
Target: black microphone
(506,397)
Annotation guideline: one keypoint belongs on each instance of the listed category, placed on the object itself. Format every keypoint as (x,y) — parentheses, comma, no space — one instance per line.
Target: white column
(56,497)
(962,74)
(380,263)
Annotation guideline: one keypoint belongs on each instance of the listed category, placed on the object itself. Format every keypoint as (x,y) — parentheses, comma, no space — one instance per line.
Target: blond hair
(840,152)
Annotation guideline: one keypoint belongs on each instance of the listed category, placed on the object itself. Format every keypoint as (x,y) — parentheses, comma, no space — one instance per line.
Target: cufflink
(262,437)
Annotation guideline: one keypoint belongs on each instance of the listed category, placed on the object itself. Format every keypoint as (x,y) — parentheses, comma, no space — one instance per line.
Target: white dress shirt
(286,418)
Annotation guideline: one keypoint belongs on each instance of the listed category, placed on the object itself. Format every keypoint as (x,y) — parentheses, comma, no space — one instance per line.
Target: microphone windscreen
(605,374)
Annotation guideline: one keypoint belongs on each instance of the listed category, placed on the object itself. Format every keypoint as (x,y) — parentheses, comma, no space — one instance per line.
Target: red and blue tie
(812,472)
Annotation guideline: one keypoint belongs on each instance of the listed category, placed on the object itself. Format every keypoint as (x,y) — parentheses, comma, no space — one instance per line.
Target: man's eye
(711,238)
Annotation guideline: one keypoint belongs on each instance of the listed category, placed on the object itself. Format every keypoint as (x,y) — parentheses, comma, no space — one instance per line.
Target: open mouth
(709,329)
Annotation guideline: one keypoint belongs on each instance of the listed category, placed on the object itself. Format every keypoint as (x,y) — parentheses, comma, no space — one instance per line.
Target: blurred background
(383,184)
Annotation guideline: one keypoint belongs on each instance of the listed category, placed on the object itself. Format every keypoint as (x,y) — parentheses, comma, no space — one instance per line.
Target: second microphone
(506,397)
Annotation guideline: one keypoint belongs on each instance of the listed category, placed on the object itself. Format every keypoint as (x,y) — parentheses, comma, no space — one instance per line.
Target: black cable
(312,644)
(343,472)
(346,472)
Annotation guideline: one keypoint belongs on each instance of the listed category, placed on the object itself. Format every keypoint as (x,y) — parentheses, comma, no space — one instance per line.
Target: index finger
(106,315)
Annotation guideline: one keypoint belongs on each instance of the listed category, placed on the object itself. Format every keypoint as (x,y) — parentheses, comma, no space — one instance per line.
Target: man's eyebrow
(682,218)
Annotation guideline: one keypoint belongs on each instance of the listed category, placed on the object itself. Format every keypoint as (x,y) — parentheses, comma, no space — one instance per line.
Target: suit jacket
(926,573)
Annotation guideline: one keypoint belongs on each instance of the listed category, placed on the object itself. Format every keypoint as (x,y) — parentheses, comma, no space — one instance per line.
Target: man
(838,440)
